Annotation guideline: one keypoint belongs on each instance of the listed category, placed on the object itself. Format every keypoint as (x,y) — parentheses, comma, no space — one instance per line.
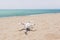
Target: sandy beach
(47,27)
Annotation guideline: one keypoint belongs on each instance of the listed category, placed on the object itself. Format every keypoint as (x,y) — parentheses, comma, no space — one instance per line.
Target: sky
(29,4)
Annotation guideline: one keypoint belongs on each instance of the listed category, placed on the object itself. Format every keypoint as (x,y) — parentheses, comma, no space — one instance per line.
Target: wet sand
(47,27)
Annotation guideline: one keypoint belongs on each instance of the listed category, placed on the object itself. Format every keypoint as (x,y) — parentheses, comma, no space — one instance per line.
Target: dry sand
(47,27)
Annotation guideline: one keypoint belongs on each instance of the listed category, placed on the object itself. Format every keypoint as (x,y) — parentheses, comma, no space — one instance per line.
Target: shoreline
(29,15)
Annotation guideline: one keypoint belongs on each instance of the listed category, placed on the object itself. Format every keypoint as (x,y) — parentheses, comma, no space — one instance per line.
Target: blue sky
(29,4)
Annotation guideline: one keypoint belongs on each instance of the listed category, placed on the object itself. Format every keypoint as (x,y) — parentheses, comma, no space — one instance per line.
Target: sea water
(23,12)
